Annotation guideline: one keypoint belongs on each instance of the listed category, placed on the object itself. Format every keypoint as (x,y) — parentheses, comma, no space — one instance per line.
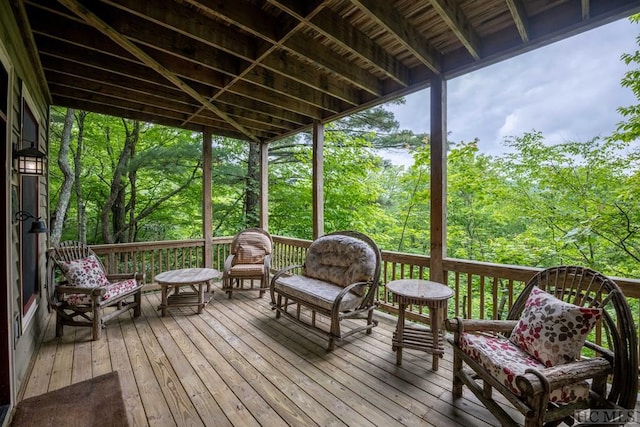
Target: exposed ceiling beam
(519,14)
(341,32)
(103,27)
(385,15)
(586,10)
(452,14)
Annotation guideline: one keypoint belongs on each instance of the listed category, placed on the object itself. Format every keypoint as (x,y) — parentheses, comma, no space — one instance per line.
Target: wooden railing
(152,258)
(481,290)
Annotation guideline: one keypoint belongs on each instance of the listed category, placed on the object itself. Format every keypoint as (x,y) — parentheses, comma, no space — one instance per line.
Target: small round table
(187,276)
(420,292)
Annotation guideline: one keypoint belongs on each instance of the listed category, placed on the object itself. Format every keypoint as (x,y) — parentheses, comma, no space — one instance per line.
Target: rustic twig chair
(507,356)
(339,279)
(81,292)
(249,260)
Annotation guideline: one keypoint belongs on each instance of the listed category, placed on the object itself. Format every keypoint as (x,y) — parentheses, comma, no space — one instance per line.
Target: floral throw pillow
(84,272)
(551,330)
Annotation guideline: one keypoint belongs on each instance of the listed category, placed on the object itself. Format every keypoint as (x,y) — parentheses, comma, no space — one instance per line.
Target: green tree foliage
(160,172)
(580,200)
(351,188)
(629,130)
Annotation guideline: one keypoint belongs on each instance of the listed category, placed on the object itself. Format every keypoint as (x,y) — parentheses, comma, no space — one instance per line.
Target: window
(29,202)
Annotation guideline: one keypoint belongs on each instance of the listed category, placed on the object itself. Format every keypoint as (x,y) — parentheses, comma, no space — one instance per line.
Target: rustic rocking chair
(81,292)
(549,373)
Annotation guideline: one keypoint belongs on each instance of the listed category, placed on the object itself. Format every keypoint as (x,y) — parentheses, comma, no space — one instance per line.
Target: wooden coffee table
(420,292)
(195,278)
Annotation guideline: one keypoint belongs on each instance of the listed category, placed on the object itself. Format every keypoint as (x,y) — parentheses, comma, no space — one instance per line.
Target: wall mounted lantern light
(37,226)
(31,161)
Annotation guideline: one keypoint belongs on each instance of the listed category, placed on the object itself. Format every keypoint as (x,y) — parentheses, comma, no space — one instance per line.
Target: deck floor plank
(177,399)
(40,375)
(100,356)
(235,364)
(332,395)
(82,361)
(243,404)
(155,406)
(417,363)
(271,394)
(376,351)
(61,373)
(232,409)
(383,412)
(180,355)
(121,363)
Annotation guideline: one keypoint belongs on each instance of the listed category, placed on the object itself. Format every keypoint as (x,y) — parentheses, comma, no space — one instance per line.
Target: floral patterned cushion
(341,260)
(505,361)
(84,272)
(113,290)
(551,330)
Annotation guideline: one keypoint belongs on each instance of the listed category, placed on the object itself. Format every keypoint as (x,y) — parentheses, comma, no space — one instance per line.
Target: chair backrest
(250,246)
(343,258)
(587,288)
(64,252)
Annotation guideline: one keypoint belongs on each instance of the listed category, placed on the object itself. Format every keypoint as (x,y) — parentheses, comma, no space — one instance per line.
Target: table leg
(200,297)
(434,313)
(165,291)
(400,333)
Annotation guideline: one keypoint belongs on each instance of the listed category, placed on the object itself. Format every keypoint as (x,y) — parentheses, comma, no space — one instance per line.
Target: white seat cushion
(316,292)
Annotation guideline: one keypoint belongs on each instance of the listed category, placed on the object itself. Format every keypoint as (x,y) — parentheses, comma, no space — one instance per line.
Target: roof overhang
(261,70)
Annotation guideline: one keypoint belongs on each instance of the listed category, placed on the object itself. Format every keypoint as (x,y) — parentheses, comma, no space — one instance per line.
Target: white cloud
(569,90)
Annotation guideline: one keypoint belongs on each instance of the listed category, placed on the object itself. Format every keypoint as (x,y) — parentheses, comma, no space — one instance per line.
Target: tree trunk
(77,164)
(252,189)
(115,204)
(60,210)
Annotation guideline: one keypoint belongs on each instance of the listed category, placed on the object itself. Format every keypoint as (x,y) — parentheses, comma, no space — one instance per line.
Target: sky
(569,91)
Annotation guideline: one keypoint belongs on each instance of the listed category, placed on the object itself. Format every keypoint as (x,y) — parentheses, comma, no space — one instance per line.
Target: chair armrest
(461,325)
(228,262)
(536,381)
(284,271)
(81,290)
(346,290)
(119,277)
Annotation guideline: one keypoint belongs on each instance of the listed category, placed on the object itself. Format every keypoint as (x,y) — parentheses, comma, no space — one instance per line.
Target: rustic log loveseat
(339,279)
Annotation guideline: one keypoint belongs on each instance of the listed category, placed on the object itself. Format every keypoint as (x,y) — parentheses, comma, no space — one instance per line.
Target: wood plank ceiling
(263,69)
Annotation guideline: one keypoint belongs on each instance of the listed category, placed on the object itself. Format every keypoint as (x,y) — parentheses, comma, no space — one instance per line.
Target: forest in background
(115,180)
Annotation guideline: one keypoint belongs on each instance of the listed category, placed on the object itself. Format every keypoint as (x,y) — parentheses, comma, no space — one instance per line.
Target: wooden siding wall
(23,75)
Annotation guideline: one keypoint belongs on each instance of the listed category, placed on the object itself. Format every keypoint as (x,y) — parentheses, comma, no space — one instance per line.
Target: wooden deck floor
(235,364)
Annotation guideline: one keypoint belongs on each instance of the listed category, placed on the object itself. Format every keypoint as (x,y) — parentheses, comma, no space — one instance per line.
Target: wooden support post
(264,187)
(438,141)
(318,179)
(207,194)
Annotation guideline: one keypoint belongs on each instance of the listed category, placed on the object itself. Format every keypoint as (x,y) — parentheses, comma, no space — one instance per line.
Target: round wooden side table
(433,295)
(196,278)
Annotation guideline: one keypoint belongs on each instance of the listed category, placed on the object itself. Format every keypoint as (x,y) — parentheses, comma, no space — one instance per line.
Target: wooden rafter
(271,68)
(383,13)
(335,28)
(520,19)
(586,10)
(107,30)
(451,13)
